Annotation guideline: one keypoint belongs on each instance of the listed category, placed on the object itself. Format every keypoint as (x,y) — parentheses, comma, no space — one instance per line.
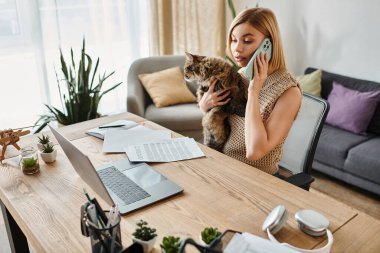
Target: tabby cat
(215,122)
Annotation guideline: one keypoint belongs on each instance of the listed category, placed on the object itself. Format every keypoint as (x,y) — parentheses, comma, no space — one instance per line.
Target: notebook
(130,185)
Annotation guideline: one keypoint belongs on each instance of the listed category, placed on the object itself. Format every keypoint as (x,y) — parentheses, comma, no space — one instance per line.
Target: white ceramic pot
(49,157)
(147,245)
(40,146)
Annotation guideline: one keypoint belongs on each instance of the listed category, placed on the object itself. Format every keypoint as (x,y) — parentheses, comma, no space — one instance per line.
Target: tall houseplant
(80,92)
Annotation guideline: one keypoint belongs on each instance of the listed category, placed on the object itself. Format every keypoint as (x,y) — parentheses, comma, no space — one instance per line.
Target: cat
(216,128)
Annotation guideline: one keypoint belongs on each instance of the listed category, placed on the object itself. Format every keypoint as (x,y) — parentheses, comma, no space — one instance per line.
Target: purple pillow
(351,110)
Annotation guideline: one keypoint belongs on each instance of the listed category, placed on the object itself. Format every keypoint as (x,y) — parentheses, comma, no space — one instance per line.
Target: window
(31,33)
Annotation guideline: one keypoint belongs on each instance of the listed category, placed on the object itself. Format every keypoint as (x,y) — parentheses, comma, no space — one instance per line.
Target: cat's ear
(189,56)
(193,57)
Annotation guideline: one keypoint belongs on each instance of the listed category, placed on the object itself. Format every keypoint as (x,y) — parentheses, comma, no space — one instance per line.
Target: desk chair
(300,145)
(185,119)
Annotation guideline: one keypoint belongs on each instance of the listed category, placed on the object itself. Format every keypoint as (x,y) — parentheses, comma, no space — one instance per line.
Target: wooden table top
(218,191)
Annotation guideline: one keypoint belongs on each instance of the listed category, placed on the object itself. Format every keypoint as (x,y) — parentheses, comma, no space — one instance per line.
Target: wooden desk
(218,191)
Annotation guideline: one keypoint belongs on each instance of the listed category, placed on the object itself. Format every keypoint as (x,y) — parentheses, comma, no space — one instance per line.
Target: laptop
(130,185)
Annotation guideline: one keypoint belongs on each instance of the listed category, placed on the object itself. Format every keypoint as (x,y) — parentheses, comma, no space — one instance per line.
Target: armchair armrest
(135,93)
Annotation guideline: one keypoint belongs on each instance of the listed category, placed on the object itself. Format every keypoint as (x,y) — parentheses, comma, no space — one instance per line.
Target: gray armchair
(182,118)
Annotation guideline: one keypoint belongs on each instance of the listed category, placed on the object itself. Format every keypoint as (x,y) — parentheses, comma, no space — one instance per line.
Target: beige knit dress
(274,86)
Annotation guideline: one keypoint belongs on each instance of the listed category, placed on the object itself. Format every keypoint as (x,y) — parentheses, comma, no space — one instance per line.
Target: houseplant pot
(48,153)
(29,161)
(145,236)
(147,245)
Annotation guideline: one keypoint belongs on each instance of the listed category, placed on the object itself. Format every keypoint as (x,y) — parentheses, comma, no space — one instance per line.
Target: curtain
(33,31)
(195,26)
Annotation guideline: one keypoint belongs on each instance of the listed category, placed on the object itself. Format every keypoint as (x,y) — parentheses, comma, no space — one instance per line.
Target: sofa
(350,157)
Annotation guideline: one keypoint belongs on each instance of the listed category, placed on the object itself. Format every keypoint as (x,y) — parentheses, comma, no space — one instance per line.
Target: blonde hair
(264,21)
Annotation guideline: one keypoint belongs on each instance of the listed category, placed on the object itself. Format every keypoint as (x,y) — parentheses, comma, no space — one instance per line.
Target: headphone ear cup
(281,223)
(276,219)
(312,222)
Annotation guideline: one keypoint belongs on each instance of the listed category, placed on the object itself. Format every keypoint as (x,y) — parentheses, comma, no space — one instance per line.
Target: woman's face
(245,39)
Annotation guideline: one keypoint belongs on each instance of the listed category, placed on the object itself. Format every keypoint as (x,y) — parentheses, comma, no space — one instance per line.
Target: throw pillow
(311,83)
(167,87)
(351,110)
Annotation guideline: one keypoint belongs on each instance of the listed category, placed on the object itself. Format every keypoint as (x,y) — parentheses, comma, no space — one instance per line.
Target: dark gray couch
(352,158)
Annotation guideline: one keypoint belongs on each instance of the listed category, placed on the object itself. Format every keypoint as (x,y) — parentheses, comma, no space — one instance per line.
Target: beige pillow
(167,87)
(311,83)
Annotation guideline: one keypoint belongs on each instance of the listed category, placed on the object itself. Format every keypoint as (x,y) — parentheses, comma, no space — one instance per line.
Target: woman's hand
(211,99)
(260,71)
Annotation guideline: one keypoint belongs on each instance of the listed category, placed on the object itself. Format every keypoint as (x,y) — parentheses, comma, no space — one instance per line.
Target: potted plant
(43,140)
(80,93)
(170,244)
(145,236)
(208,235)
(48,153)
(29,160)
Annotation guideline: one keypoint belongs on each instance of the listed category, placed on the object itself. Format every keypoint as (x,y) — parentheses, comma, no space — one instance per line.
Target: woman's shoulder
(283,78)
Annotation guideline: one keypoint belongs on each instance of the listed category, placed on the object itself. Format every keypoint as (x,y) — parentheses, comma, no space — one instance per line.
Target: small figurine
(10,137)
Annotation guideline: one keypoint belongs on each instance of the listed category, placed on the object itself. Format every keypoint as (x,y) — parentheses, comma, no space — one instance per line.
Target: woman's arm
(261,137)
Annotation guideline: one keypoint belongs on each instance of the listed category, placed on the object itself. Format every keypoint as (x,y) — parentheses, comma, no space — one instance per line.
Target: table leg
(16,237)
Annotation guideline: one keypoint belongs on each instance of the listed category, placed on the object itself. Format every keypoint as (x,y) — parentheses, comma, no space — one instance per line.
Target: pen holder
(105,240)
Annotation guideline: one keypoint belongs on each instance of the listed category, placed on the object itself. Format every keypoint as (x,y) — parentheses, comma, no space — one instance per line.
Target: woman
(273,96)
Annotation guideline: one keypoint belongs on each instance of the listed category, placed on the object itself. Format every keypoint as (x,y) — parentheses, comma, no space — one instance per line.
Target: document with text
(116,140)
(164,151)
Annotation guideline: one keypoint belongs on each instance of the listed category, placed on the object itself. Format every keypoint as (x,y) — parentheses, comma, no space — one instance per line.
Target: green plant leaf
(93,75)
(79,96)
(106,91)
(63,64)
(232,8)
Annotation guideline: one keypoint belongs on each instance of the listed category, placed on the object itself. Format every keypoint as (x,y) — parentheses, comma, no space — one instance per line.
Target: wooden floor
(362,200)
(352,196)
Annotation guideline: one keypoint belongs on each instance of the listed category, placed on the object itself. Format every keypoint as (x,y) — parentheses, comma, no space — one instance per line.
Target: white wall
(340,36)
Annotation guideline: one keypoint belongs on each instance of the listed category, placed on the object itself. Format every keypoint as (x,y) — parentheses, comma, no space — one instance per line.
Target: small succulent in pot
(43,140)
(209,234)
(48,153)
(145,236)
(170,244)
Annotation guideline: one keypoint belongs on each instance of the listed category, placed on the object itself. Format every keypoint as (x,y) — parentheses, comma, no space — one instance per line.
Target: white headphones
(309,221)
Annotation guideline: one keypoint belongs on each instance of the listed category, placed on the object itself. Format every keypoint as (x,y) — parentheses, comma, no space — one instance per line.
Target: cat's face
(194,68)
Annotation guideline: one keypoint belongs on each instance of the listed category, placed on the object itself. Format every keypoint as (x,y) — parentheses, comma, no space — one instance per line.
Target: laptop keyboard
(122,186)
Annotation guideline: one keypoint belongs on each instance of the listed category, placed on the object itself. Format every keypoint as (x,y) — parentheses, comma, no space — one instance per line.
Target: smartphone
(266,47)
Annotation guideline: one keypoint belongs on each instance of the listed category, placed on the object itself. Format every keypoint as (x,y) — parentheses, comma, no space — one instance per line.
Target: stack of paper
(117,140)
(164,151)
(143,144)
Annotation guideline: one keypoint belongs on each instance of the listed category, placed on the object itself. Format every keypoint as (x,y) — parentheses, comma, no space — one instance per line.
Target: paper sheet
(249,243)
(164,151)
(100,132)
(117,140)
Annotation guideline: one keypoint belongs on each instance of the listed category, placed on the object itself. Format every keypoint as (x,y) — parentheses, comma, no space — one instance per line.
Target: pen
(94,203)
(101,127)
(88,197)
